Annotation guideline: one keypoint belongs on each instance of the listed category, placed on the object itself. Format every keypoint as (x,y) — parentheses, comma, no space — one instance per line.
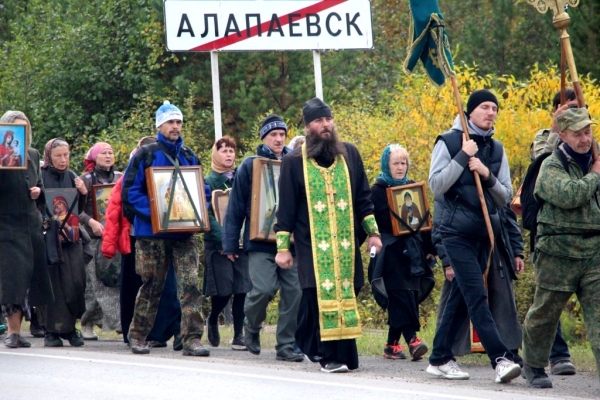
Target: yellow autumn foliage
(417,112)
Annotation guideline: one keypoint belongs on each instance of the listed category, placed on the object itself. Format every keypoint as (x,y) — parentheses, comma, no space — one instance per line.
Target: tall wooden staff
(561,22)
(429,45)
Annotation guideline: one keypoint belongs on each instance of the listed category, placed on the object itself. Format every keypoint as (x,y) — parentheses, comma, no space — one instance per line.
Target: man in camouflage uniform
(156,253)
(566,255)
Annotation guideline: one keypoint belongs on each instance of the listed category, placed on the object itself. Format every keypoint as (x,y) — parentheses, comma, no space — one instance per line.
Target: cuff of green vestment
(370,225)
(283,241)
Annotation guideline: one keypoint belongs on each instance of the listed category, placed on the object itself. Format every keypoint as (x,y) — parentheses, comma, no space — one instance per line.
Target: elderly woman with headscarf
(223,278)
(68,272)
(102,274)
(24,279)
(400,275)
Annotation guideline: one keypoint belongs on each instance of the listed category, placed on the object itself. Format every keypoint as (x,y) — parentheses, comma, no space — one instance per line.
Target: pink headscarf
(90,157)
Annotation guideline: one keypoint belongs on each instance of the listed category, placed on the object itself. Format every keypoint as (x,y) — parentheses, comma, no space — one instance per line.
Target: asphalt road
(108,370)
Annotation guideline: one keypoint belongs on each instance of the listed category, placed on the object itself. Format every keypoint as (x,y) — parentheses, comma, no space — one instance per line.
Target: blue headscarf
(385,167)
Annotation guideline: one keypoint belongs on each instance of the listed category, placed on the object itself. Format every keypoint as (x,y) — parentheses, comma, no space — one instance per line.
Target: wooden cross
(330,192)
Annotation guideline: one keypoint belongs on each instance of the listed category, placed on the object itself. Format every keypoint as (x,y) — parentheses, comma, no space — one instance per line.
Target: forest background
(90,71)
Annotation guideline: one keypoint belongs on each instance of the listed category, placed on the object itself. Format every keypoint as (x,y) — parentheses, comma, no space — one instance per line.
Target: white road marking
(245,375)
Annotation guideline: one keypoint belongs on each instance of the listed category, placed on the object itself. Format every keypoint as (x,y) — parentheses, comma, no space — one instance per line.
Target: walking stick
(561,22)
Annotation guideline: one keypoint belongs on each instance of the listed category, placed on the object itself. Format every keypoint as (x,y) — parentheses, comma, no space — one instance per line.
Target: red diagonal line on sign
(231,39)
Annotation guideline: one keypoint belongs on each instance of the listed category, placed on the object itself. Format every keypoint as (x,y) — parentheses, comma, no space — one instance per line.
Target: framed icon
(265,199)
(177,200)
(100,196)
(220,200)
(61,205)
(14,145)
(409,204)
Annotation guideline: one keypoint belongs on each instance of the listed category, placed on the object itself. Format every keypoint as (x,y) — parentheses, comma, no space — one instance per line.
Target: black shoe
(537,378)
(334,367)
(237,343)
(156,344)
(36,331)
(75,339)
(289,355)
(213,335)
(177,343)
(563,367)
(196,349)
(14,340)
(252,341)
(52,340)
(312,359)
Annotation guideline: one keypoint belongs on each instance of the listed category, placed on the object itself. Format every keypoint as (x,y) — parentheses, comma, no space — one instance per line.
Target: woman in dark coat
(223,278)
(68,274)
(24,279)
(400,275)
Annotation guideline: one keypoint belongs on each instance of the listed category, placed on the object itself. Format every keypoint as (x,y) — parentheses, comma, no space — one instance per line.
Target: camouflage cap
(574,119)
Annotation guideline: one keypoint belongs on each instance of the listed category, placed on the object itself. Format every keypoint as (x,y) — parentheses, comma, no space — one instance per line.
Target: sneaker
(15,340)
(335,367)
(562,367)
(394,351)
(52,340)
(156,344)
(312,359)
(450,370)
(139,346)
(252,341)
(417,349)
(213,335)
(289,355)
(537,378)
(195,348)
(177,343)
(506,370)
(87,332)
(74,338)
(237,343)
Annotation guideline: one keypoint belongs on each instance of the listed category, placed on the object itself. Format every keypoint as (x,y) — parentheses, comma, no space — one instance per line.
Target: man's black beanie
(478,97)
(313,109)
(273,121)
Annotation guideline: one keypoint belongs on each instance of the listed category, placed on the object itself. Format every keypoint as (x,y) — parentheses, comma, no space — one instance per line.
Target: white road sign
(268,25)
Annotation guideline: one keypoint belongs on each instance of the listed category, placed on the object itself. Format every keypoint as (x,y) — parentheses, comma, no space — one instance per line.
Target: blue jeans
(467,299)
(560,350)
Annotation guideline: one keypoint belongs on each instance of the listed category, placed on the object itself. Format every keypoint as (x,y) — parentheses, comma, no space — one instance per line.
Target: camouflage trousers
(557,278)
(153,258)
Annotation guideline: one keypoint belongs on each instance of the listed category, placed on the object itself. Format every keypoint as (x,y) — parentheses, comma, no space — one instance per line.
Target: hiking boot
(237,343)
(213,335)
(334,367)
(562,367)
(87,332)
(139,346)
(289,355)
(195,348)
(15,340)
(74,338)
(156,344)
(177,343)
(394,351)
(450,370)
(506,370)
(252,341)
(52,340)
(417,349)
(537,378)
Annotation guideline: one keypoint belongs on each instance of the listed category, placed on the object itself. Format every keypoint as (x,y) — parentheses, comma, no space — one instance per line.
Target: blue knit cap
(167,112)
(385,167)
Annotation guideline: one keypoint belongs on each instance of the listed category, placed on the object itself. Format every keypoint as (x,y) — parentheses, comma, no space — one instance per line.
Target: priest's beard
(324,149)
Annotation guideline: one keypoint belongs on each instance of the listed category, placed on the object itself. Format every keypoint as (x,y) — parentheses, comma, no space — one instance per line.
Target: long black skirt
(308,336)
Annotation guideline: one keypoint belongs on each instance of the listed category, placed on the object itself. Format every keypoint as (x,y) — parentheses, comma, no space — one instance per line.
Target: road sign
(268,25)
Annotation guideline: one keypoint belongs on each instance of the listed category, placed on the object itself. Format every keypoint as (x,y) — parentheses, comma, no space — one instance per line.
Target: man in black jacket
(265,275)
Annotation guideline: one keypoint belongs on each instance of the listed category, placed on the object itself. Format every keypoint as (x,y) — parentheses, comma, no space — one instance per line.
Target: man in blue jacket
(156,252)
(265,275)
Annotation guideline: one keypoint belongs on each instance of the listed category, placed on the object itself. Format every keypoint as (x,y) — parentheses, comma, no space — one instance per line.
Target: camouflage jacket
(569,220)
(544,141)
